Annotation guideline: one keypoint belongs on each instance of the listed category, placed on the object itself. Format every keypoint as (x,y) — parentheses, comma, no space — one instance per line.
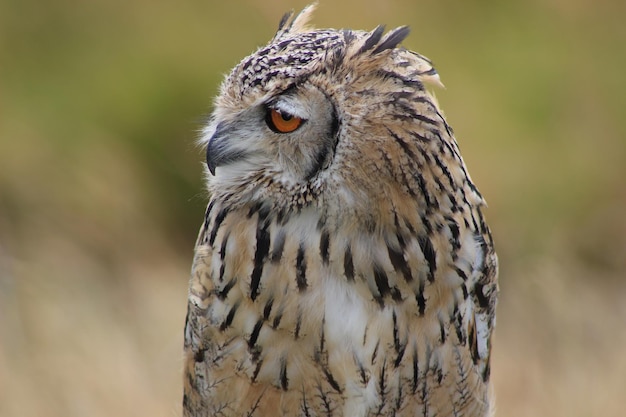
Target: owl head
(335,118)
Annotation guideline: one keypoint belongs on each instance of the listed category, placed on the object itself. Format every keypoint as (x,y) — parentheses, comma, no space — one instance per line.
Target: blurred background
(101,191)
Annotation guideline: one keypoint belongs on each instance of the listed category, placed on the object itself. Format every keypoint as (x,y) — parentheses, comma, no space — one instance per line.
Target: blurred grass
(101,192)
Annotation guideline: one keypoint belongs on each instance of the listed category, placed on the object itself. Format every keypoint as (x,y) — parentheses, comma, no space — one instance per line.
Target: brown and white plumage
(344,268)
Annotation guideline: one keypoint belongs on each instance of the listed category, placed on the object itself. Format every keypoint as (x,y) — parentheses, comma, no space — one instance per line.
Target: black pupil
(285,116)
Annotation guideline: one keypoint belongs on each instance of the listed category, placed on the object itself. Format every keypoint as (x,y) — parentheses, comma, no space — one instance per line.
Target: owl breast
(277,304)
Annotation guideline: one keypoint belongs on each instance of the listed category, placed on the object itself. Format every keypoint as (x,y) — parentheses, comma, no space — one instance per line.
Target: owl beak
(220,151)
(212,160)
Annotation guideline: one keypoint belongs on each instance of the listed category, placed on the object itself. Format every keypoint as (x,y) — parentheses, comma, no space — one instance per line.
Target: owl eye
(282,122)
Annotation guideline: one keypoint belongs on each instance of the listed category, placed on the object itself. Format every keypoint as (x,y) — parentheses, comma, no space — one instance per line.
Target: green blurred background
(101,190)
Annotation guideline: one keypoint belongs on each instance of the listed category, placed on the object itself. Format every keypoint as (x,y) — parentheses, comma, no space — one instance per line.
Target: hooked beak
(220,151)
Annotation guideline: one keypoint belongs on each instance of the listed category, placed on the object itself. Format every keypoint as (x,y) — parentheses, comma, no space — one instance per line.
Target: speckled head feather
(344,267)
(295,52)
(343,65)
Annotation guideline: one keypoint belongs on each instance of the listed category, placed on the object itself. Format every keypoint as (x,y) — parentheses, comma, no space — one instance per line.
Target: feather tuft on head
(297,24)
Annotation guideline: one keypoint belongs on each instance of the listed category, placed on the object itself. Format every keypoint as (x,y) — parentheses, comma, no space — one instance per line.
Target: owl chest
(280,290)
(286,306)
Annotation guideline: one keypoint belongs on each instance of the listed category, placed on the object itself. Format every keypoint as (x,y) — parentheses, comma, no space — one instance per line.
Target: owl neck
(262,190)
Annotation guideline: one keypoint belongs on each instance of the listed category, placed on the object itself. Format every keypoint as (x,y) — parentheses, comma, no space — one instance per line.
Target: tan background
(101,192)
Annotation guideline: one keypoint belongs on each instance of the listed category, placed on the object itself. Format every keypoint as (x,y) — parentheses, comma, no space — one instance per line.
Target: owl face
(290,134)
(340,119)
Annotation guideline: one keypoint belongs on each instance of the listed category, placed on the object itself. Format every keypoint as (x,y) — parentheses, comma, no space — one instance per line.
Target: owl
(344,267)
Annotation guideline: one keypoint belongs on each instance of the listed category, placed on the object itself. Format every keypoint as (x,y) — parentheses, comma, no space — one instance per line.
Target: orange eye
(281,122)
